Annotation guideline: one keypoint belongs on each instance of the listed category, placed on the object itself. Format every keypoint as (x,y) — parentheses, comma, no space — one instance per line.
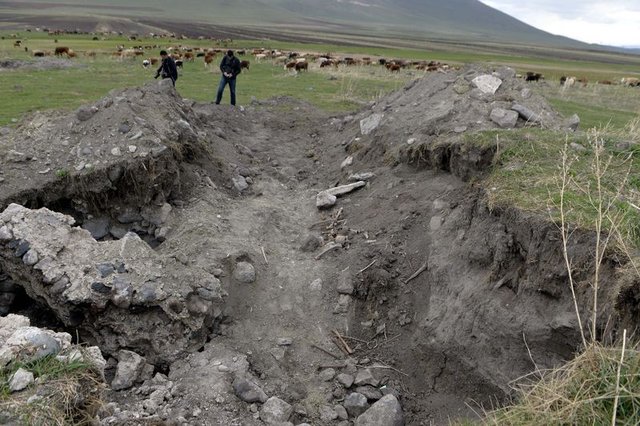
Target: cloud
(591,21)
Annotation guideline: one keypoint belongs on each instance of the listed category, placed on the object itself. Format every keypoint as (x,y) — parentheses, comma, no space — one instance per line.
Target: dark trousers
(232,88)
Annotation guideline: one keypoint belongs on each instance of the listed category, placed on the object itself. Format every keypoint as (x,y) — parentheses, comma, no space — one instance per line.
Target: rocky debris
(130,365)
(248,391)
(85,113)
(573,122)
(97,227)
(487,83)
(146,289)
(240,183)
(20,380)
(342,306)
(372,393)
(504,118)
(386,412)
(311,243)
(275,411)
(369,124)
(345,189)
(345,283)
(361,176)
(347,162)
(355,404)
(328,414)
(345,380)
(244,272)
(327,374)
(528,114)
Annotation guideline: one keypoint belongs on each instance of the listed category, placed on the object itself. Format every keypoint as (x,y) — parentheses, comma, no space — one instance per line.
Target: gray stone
(124,128)
(435,223)
(20,380)
(36,342)
(30,258)
(14,156)
(327,414)
(130,365)
(487,84)
(248,391)
(4,131)
(365,377)
(244,272)
(115,173)
(157,215)
(526,113)
(577,147)
(316,285)
(345,380)
(98,227)
(369,124)
(355,404)
(573,122)
(342,412)
(386,412)
(129,216)
(327,374)
(505,73)
(85,112)
(284,341)
(525,93)
(325,200)
(6,234)
(504,118)
(370,392)
(239,183)
(275,411)
(345,283)
(342,306)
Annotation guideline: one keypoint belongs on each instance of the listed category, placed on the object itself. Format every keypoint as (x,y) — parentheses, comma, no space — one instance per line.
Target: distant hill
(450,19)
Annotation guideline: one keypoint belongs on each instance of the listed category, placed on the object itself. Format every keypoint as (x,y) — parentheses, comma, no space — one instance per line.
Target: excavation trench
(443,299)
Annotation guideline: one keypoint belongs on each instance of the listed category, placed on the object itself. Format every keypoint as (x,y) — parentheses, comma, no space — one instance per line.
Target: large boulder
(386,412)
(118,294)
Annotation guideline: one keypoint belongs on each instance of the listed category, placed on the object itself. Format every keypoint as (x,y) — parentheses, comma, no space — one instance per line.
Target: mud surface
(434,293)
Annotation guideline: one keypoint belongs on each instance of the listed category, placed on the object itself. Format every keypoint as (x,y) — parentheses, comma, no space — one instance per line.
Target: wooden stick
(339,345)
(325,351)
(418,272)
(346,346)
(264,255)
(368,266)
(388,367)
(327,248)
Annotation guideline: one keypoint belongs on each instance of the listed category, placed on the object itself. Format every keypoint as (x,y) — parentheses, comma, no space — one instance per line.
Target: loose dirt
(450,300)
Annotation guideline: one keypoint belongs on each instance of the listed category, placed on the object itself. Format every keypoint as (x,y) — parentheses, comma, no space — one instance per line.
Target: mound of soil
(409,285)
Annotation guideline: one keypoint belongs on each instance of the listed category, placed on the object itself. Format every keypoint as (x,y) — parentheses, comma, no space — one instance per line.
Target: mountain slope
(451,19)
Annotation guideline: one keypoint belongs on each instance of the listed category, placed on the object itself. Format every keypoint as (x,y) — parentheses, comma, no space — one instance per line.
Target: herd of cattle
(294,61)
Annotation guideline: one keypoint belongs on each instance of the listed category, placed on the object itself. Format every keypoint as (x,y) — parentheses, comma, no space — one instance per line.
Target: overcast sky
(610,22)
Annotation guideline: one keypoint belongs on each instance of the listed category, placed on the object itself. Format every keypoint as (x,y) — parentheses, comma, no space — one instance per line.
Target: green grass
(527,174)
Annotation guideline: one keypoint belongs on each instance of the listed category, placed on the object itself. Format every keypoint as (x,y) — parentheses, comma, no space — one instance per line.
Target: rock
(435,223)
(573,122)
(84,113)
(526,113)
(35,343)
(345,189)
(505,73)
(369,124)
(504,118)
(577,147)
(275,411)
(316,285)
(365,377)
(461,87)
(345,283)
(386,412)
(130,365)
(372,394)
(341,412)
(310,243)
(345,380)
(327,374)
(487,84)
(5,131)
(248,391)
(97,227)
(239,183)
(129,216)
(244,272)
(325,200)
(327,414)
(361,176)
(116,152)
(284,341)
(14,156)
(157,215)
(132,148)
(525,93)
(347,162)
(355,404)
(136,135)
(124,128)
(20,380)
(30,258)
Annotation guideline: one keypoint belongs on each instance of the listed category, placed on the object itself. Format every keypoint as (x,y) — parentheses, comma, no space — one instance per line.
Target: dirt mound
(408,286)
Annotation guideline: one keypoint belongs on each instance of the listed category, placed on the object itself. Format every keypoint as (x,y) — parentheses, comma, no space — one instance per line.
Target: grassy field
(345,89)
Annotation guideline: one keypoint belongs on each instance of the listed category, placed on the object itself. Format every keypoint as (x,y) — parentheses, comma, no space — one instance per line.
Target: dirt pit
(408,285)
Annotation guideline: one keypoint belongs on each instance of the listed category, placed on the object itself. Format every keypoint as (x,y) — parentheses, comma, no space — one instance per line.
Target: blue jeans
(232,88)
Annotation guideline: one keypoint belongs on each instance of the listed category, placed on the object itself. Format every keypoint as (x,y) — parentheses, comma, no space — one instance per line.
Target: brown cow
(61,50)
(245,65)
(302,66)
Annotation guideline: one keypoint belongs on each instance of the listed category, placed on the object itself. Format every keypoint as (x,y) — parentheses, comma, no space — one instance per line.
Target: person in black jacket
(167,68)
(230,67)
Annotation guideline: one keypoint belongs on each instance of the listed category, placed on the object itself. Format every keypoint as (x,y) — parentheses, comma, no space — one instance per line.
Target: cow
(244,65)
(179,63)
(393,67)
(302,66)
(533,76)
(146,63)
(61,51)
(208,59)
(630,81)
(605,82)
(38,53)
(17,43)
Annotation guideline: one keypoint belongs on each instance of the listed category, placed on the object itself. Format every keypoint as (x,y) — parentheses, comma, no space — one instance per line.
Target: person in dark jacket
(167,68)
(230,68)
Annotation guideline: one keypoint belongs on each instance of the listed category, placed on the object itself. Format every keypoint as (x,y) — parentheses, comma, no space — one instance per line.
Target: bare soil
(451,301)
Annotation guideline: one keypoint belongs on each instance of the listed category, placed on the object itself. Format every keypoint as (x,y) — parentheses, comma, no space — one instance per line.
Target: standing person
(167,68)
(230,67)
